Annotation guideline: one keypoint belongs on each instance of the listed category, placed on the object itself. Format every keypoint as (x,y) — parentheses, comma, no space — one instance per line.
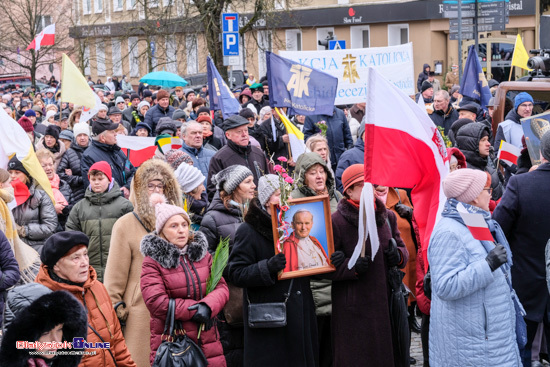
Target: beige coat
(123,269)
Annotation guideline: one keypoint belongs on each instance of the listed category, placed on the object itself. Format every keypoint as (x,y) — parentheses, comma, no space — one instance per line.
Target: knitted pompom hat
(465,184)
(267,185)
(164,211)
(231,177)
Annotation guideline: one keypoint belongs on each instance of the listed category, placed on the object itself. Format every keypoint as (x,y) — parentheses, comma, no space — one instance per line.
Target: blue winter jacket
(155,113)
(338,133)
(201,158)
(472,316)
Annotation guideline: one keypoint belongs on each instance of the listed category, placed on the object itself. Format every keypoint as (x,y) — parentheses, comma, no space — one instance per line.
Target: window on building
(280,4)
(360,36)
(86,6)
(153,3)
(130,4)
(100,58)
(323,34)
(264,44)
(42,22)
(154,59)
(192,54)
(293,40)
(118,5)
(171,55)
(87,70)
(166,3)
(343,2)
(117,57)
(133,56)
(398,34)
(98,6)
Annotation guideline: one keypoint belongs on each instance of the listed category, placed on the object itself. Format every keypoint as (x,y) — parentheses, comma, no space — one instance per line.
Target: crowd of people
(105,257)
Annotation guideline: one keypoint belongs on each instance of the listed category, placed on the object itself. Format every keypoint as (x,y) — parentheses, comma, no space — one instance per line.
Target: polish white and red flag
(508,152)
(476,224)
(403,148)
(44,38)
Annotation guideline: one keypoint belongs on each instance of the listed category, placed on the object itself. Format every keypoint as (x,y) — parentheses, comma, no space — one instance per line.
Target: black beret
(472,107)
(59,244)
(234,122)
(114,111)
(101,125)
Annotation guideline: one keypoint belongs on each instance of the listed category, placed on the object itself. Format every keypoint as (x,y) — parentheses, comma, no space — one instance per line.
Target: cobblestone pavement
(416,347)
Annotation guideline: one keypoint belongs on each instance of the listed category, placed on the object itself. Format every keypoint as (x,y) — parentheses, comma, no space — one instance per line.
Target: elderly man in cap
(510,129)
(66,267)
(128,113)
(103,148)
(115,115)
(161,109)
(523,216)
(237,151)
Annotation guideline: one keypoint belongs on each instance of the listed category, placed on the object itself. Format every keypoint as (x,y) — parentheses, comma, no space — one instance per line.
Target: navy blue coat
(155,113)
(353,156)
(523,216)
(122,168)
(338,133)
(9,269)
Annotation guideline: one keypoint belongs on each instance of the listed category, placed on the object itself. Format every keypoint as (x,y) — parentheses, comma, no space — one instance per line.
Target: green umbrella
(164,79)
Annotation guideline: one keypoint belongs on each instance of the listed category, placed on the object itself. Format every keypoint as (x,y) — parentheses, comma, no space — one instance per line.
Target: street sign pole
(476,35)
(459,41)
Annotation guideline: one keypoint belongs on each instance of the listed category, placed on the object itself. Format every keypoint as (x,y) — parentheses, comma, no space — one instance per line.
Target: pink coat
(163,277)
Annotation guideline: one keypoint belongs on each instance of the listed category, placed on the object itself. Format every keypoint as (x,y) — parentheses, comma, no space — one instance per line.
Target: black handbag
(268,315)
(177,349)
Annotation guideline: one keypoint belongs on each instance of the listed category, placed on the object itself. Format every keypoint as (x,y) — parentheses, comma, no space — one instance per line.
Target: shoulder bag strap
(140,222)
(287,295)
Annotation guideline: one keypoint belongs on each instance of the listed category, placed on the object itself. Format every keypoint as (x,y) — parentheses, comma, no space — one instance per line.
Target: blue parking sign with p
(231,44)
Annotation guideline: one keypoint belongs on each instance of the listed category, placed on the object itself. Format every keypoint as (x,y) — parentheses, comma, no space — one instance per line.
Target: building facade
(115,42)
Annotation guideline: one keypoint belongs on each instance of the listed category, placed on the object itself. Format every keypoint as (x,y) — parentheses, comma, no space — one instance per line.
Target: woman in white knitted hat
(177,266)
(473,320)
(191,181)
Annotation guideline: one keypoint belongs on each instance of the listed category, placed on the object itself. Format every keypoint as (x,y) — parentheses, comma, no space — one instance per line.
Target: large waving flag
(403,148)
(305,90)
(474,84)
(15,141)
(88,113)
(74,87)
(44,38)
(295,136)
(520,56)
(221,97)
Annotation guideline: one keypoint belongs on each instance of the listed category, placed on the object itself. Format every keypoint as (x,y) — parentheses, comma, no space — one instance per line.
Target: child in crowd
(97,213)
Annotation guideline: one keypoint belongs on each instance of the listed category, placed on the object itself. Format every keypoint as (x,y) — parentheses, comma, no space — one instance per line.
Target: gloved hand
(404,211)
(392,254)
(337,258)
(496,257)
(276,263)
(362,265)
(203,314)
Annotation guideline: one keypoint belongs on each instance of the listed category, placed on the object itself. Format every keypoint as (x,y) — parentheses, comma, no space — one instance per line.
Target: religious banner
(350,66)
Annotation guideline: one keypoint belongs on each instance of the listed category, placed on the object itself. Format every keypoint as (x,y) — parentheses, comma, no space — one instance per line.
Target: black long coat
(523,216)
(292,345)
(361,329)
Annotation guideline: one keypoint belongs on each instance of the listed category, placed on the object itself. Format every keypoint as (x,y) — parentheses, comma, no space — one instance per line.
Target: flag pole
(511,70)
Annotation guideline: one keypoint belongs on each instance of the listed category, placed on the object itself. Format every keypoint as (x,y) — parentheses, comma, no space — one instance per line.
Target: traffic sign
(230,22)
(480,20)
(491,27)
(337,45)
(230,43)
(465,28)
(454,36)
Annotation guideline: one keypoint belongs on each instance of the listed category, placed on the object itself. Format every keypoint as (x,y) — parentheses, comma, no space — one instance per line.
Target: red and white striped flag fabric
(403,148)
(138,149)
(44,38)
(508,152)
(476,224)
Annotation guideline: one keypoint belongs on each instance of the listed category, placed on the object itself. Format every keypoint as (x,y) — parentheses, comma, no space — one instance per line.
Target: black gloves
(337,258)
(362,265)
(404,211)
(203,314)
(496,257)
(276,263)
(393,256)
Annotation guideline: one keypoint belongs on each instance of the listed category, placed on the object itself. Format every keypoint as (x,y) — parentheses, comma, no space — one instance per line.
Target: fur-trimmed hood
(304,163)
(139,194)
(167,254)
(40,316)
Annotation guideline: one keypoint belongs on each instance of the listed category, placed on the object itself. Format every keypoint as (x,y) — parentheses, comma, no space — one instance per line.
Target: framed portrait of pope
(304,235)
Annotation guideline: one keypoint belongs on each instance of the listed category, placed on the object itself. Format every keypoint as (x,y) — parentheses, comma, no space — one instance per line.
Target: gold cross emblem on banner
(350,71)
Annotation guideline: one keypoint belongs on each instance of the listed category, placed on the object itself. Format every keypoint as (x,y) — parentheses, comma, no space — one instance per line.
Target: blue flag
(305,90)
(474,84)
(221,97)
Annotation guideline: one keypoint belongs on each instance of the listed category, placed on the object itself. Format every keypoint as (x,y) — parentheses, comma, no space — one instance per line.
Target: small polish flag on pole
(44,38)
(508,152)
(476,224)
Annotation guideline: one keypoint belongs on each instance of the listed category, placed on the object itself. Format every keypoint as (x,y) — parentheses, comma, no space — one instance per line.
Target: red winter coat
(163,277)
